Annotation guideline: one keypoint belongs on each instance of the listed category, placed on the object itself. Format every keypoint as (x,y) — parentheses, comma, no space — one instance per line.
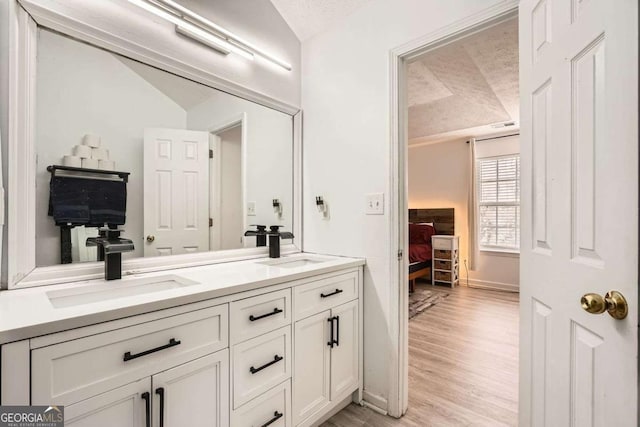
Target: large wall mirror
(201,166)
(184,162)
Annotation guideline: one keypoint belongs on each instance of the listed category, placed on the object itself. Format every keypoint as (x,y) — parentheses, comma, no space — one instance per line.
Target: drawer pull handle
(160,392)
(172,343)
(147,408)
(276,359)
(276,416)
(336,292)
(275,311)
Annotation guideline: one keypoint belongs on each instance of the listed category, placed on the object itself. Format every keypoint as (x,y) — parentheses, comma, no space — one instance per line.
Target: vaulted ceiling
(462,88)
(310,17)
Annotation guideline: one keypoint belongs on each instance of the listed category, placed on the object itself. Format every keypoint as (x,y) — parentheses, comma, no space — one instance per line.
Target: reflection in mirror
(202,165)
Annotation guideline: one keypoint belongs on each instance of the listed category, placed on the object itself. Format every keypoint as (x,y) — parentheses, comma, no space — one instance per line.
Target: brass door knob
(151,238)
(613,302)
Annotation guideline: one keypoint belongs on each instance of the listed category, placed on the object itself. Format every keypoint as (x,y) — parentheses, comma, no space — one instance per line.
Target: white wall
(269,153)
(439,178)
(83,90)
(345,96)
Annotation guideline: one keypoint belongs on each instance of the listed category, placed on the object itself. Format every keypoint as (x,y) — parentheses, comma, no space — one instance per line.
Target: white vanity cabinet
(327,351)
(283,355)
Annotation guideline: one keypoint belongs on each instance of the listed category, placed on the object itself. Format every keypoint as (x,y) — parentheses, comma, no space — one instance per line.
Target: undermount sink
(126,288)
(293,263)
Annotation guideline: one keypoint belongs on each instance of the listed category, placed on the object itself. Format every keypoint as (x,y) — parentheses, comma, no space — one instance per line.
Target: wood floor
(463,365)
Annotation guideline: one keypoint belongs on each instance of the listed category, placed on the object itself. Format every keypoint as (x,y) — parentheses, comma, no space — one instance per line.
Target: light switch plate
(375,204)
(251,208)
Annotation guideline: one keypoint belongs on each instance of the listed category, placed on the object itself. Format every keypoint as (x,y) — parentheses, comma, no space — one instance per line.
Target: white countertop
(27,313)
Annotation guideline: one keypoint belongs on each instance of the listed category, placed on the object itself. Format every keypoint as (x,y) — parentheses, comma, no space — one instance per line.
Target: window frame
(499,249)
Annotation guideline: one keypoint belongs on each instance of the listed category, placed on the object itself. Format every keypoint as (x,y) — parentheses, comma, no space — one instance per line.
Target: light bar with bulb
(199,28)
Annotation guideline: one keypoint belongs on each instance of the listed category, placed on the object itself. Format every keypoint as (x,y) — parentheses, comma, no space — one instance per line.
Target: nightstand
(444,260)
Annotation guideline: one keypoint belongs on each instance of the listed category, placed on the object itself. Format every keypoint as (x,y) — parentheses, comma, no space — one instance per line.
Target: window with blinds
(499,202)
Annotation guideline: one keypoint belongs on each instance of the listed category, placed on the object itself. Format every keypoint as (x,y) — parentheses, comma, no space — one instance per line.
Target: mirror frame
(25,17)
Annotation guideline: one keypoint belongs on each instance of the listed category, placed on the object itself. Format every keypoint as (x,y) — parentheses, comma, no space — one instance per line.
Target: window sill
(510,253)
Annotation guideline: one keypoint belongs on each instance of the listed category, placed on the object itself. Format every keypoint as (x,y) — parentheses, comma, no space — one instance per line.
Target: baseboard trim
(495,286)
(375,402)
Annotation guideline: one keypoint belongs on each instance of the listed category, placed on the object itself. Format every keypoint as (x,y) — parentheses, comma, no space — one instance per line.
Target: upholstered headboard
(442,219)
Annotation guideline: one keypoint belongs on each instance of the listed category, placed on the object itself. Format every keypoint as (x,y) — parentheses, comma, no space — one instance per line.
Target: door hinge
(211,154)
(400,254)
(210,222)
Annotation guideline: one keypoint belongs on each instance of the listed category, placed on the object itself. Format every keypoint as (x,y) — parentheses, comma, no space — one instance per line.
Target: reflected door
(176,187)
(579,88)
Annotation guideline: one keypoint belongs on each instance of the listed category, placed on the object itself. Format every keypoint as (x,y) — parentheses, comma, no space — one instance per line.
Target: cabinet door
(195,394)
(122,407)
(311,366)
(344,355)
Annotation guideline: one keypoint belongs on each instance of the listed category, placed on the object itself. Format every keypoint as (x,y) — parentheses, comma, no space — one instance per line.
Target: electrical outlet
(375,204)
(251,208)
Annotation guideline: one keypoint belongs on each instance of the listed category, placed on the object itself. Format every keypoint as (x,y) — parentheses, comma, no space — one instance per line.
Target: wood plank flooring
(463,365)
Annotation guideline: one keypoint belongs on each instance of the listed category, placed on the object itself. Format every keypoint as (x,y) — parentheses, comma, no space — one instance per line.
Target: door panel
(311,389)
(579,136)
(344,355)
(123,407)
(176,191)
(195,394)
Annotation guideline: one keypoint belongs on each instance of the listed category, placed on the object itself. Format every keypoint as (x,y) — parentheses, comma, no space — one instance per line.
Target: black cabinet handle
(172,343)
(337,291)
(275,311)
(160,392)
(147,408)
(276,359)
(331,340)
(337,330)
(276,416)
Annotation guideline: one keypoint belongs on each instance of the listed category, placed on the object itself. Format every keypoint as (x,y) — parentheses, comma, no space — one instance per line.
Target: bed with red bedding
(419,252)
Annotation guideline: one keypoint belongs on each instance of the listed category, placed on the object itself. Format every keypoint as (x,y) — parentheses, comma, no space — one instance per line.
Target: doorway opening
(456,190)
(225,183)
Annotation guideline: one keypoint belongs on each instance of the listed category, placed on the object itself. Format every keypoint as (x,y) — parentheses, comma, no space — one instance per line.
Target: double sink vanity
(249,343)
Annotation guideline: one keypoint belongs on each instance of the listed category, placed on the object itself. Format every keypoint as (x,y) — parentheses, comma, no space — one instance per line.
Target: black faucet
(260,233)
(274,240)
(110,248)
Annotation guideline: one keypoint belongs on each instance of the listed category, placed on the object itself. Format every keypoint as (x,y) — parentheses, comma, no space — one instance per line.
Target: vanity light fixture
(195,32)
(190,24)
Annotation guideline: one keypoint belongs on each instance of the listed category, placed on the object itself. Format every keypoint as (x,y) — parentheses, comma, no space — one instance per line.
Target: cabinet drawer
(442,265)
(273,406)
(259,364)
(71,371)
(260,314)
(442,275)
(323,294)
(441,254)
(441,243)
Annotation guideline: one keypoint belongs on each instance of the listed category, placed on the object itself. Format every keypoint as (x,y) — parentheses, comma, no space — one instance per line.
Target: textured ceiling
(310,17)
(465,85)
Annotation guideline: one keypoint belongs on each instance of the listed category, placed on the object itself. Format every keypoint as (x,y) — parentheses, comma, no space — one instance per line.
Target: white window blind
(499,202)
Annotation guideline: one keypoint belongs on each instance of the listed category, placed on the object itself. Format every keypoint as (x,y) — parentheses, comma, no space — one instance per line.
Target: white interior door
(579,114)
(176,191)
